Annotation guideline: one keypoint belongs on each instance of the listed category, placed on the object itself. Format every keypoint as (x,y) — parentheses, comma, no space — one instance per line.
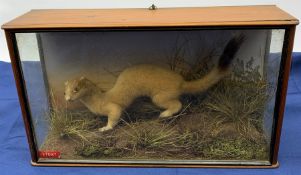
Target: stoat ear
(83,81)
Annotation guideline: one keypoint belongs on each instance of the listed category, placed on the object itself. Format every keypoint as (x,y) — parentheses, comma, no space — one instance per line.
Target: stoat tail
(218,72)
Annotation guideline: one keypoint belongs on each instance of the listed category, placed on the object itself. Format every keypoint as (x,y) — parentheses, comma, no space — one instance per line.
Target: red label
(50,154)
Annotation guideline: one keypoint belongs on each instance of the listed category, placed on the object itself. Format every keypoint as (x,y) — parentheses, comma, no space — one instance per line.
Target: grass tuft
(66,124)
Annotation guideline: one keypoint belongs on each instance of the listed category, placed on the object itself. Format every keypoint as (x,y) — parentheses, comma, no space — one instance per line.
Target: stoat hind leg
(169,102)
(113,117)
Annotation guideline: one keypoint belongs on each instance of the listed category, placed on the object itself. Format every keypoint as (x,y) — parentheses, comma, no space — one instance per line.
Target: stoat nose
(67,98)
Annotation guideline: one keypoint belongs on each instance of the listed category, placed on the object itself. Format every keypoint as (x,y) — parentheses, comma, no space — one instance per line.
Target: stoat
(162,85)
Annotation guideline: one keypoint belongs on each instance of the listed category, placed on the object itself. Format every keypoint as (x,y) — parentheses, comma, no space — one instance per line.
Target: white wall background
(13,8)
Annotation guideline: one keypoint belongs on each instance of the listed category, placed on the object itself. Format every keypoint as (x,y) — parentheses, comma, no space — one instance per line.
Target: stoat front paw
(165,114)
(106,128)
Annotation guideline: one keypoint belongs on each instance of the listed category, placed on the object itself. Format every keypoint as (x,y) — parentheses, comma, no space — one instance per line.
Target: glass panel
(160,96)
(35,84)
(272,71)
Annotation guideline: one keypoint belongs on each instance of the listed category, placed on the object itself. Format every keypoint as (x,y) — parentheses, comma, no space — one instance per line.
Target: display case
(159,87)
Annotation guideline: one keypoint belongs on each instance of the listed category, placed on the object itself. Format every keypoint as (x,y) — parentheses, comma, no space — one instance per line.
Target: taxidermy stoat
(163,86)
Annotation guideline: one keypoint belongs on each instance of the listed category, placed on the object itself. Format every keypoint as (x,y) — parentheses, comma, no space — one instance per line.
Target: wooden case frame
(254,17)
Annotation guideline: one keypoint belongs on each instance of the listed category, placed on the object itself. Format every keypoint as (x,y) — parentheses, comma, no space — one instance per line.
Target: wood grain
(276,165)
(165,17)
(286,63)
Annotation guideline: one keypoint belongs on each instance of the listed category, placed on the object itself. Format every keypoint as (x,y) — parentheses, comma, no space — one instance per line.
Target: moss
(239,149)
(98,151)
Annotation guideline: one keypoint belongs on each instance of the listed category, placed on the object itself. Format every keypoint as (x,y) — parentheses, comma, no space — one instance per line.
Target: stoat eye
(75,90)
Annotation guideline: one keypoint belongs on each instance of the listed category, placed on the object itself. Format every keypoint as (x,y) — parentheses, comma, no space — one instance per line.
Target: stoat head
(75,89)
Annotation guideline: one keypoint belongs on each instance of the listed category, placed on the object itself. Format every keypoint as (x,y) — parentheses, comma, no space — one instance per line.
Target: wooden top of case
(162,17)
